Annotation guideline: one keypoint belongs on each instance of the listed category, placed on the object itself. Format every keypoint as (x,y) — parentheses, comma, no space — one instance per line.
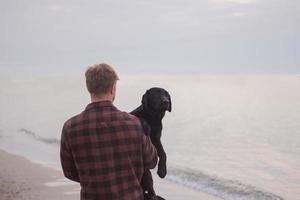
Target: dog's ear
(145,99)
(170,104)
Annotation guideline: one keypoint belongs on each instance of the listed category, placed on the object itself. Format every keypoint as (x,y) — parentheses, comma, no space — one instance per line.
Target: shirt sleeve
(66,158)
(150,157)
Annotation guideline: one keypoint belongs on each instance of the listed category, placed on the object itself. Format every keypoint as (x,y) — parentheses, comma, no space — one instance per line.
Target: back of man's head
(100,78)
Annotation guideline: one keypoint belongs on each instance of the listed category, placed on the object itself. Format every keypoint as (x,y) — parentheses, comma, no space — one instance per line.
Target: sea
(233,136)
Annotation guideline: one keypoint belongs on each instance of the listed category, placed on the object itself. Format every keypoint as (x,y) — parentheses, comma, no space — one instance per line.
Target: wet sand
(21,179)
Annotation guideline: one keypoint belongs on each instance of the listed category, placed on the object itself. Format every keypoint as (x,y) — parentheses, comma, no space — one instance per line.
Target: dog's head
(157,99)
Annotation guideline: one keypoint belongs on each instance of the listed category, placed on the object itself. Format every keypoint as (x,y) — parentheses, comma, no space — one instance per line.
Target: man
(104,149)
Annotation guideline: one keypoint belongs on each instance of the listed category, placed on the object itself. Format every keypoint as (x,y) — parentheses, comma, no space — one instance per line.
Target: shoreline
(22,179)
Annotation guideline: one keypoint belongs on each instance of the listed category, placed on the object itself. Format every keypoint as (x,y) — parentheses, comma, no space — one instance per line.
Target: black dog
(155,102)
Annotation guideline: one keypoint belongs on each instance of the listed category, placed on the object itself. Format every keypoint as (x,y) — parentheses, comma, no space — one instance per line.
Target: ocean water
(233,136)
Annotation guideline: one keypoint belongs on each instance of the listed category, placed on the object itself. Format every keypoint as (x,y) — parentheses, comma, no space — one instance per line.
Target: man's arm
(149,153)
(66,158)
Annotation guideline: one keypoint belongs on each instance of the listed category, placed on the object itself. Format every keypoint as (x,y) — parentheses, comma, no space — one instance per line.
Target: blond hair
(100,78)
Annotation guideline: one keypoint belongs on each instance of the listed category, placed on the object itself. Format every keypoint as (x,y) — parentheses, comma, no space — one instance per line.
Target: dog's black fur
(155,102)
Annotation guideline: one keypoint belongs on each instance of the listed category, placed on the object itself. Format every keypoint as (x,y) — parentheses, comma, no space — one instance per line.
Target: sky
(150,37)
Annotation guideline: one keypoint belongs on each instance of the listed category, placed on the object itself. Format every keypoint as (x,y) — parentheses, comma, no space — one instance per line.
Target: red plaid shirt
(107,152)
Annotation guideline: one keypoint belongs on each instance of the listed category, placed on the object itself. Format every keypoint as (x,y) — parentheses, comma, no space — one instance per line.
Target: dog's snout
(165,104)
(165,101)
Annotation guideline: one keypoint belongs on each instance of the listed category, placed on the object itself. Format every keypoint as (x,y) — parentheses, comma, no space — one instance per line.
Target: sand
(21,179)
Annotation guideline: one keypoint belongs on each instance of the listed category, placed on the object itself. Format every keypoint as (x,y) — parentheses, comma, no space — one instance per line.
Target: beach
(239,140)
(21,179)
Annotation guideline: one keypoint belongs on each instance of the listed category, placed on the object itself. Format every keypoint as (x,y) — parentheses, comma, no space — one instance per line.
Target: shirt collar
(99,104)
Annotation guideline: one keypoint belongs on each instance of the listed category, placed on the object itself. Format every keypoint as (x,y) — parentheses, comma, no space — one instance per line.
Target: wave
(223,188)
(39,138)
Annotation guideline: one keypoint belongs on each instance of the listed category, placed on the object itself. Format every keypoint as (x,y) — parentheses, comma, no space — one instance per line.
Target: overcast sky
(144,36)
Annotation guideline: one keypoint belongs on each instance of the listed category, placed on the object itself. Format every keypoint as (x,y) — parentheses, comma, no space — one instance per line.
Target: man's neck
(97,99)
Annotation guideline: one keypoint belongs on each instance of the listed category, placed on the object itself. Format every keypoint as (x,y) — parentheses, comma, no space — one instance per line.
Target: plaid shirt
(106,151)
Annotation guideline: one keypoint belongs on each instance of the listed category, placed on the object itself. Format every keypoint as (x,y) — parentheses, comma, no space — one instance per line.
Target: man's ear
(112,89)
(145,100)
(113,92)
